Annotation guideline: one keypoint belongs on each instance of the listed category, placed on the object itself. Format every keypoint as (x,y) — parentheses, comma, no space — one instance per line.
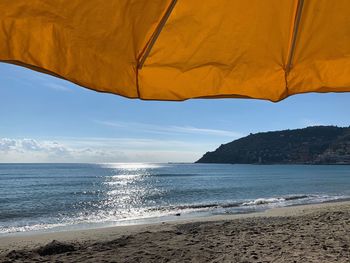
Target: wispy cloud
(36,79)
(143,144)
(214,132)
(56,86)
(168,129)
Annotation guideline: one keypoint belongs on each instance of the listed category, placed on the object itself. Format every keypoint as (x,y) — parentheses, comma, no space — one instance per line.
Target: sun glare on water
(131,166)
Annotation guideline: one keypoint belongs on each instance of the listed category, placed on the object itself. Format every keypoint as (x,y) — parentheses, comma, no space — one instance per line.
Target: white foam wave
(292,200)
(263,201)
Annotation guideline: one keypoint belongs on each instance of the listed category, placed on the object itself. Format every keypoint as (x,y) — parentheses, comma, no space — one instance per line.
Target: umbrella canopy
(176,50)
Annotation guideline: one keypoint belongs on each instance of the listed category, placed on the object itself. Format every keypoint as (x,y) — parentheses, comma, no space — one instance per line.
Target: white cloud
(30,146)
(7,144)
(99,150)
(30,150)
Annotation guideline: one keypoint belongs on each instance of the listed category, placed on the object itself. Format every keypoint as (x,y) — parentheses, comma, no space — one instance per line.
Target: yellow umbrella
(175,50)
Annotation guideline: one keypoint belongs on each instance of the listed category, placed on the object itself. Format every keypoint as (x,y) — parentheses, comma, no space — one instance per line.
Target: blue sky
(45,119)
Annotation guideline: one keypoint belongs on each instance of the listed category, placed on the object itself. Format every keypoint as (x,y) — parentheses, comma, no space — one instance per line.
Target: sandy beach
(308,233)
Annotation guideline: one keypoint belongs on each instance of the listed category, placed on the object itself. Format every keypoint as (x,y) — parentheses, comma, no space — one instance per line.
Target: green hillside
(311,145)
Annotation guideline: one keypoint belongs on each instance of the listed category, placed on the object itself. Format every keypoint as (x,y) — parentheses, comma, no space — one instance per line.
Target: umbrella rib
(156,34)
(294,36)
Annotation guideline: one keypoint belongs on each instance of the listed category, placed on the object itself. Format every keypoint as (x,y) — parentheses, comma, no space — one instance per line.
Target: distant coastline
(326,145)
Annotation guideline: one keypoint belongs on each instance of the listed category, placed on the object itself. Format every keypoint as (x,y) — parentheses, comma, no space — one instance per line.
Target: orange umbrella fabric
(176,50)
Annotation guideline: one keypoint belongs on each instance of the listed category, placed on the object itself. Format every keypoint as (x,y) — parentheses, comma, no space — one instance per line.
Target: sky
(46,119)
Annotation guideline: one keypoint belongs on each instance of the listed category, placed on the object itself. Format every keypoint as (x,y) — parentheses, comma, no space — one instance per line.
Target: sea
(59,197)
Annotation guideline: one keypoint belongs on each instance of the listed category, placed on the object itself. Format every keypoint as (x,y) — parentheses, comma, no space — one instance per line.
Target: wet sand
(309,233)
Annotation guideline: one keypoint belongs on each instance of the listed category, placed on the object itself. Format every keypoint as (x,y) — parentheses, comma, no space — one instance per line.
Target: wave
(209,205)
(264,201)
(270,201)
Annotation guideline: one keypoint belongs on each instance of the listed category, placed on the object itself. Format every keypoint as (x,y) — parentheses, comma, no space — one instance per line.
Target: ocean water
(54,197)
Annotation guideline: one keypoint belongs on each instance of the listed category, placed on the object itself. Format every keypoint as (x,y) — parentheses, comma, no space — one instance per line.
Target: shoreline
(170,218)
(103,236)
